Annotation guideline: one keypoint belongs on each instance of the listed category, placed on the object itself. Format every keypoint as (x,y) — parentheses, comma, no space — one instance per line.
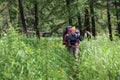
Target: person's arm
(80,38)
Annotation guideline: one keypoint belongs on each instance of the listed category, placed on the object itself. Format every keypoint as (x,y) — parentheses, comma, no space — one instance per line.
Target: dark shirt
(71,39)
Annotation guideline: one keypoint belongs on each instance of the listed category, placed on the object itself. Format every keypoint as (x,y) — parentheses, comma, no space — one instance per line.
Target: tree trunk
(80,24)
(117,16)
(109,21)
(87,23)
(92,18)
(69,12)
(36,20)
(79,20)
(22,16)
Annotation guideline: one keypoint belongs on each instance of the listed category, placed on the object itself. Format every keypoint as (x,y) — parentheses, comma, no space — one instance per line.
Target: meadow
(23,58)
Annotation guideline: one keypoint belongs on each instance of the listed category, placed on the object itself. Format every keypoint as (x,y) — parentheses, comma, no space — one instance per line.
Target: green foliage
(100,59)
(52,13)
(23,58)
(30,59)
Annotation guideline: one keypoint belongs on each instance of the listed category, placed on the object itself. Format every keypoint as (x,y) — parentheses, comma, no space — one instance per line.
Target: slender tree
(69,12)
(79,19)
(109,21)
(91,3)
(80,23)
(87,23)
(36,19)
(117,16)
(22,16)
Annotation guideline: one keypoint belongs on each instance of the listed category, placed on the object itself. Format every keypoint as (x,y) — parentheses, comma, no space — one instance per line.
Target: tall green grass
(100,59)
(23,58)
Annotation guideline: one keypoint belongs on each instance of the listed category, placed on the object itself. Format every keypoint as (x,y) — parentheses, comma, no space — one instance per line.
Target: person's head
(73,30)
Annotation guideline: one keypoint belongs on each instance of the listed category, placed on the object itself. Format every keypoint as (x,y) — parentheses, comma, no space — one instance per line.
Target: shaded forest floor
(23,58)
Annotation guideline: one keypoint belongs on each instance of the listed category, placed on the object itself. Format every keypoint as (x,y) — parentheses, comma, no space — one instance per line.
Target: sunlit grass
(23,58)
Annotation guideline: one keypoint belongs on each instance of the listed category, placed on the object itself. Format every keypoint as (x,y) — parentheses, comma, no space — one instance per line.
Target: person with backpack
(73,39)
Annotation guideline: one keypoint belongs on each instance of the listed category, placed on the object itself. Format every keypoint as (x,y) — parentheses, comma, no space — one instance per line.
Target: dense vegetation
(31,39)
(43,16)
(25,58)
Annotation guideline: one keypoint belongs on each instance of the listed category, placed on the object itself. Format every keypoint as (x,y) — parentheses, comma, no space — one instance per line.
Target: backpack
(65,33)
(67,27)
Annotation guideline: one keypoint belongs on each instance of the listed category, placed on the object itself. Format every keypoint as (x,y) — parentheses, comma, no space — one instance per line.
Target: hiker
(73,39)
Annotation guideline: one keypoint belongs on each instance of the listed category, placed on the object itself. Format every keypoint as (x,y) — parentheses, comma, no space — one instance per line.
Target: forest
(31,39)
